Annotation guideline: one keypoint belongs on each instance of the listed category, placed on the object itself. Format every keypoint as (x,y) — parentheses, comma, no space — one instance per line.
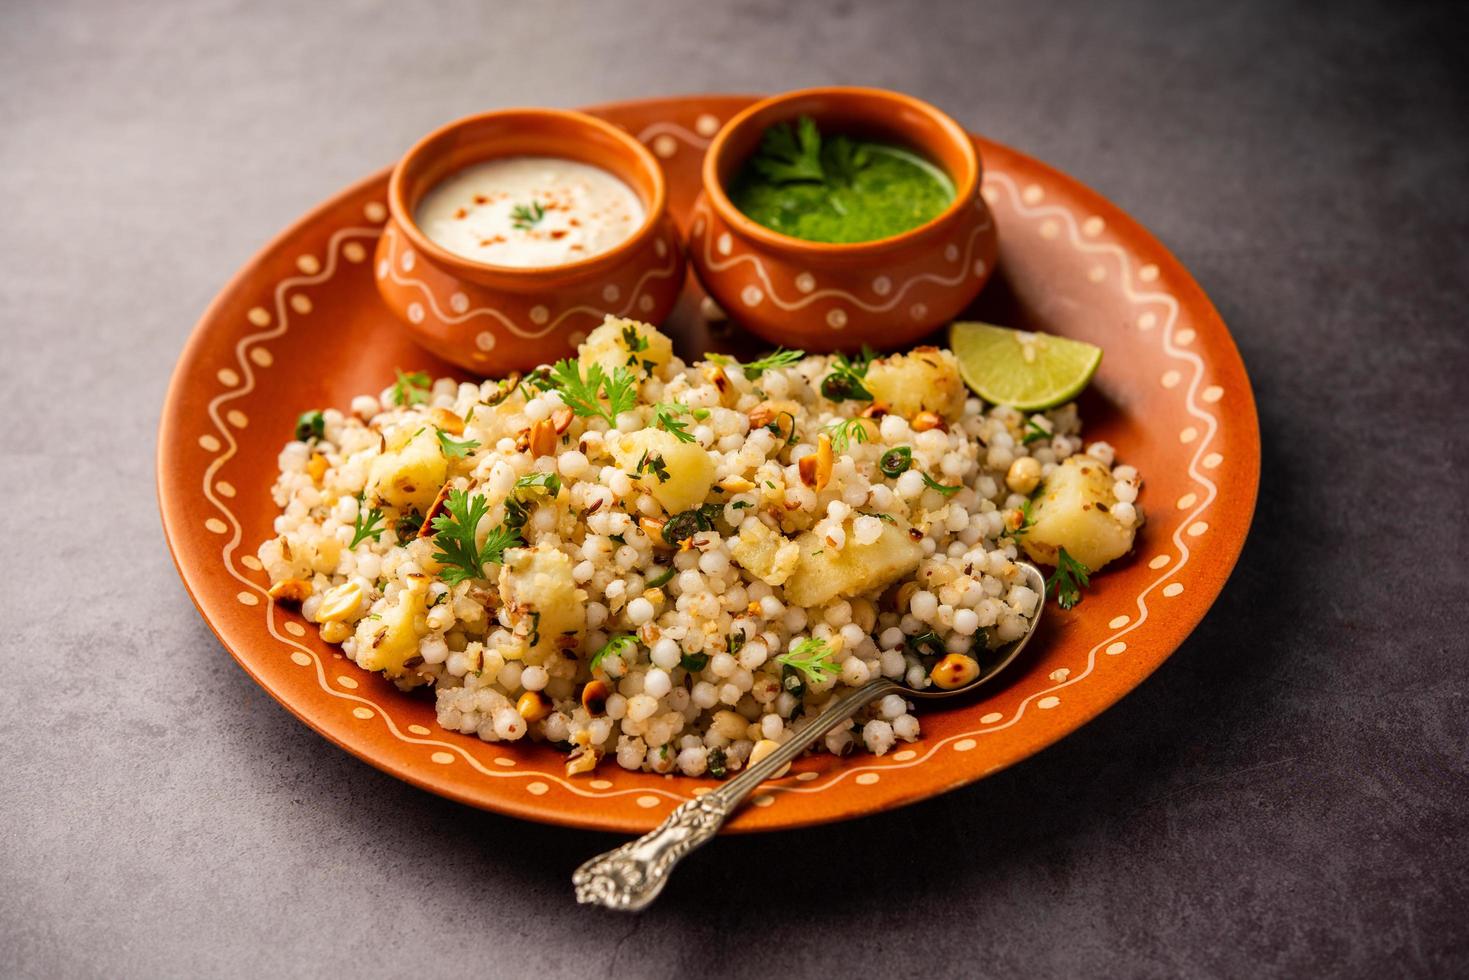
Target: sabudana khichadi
(671,564)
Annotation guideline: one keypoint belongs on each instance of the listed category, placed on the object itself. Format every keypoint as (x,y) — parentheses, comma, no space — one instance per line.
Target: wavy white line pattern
(393,264)
(702,228)
(1043,698)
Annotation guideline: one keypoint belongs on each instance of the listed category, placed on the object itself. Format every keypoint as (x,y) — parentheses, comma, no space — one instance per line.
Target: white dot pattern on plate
(259,316)
(1188,435)
(1171,379)
(866,778)
(1187,501)
(209,443)
(415,312)
(1118,622)
(505,762)
(645,303)
(228,378)
(308,264)
(610,293)
(990,718)
(251,562)
(751,295)
(600,784)
(1197,528)
(1097,273)
(216,525)
(1212,393)
(805,282)
(248,598)
(724,243)
(226,489)
(1159,562)
(1048,702)
(301,659)
(295,629)
(374,211)
(706,125)
(882,285)
(354,251)
(964,744)
(1147,321)
(347,682)
(418,730)
(1049,229)
(262,357)
(665,146)
(237,418)
(1184,337)
(301,303)
(537,789)
(459,302)
(1173,589)
(484,340)
(539,314)
(763,800)
(1032,194)
(361,712)
(1115,648)
(442,758)
(806,777)
(904,755)
(836,319)
(1212,461)
(1148,273)
(1092,227)
(647,802)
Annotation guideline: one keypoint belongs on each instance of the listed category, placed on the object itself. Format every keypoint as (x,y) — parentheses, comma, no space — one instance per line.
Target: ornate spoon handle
(628,878)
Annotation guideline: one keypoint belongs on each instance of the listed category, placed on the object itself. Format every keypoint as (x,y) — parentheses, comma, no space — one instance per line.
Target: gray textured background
(1287,795)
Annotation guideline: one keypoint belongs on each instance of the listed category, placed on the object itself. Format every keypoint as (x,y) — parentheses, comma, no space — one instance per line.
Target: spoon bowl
(630,877)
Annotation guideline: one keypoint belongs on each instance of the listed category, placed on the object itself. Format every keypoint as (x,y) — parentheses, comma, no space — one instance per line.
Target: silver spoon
(629,877)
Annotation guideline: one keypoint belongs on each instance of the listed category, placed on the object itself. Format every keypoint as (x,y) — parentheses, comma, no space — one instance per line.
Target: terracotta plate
(301,326)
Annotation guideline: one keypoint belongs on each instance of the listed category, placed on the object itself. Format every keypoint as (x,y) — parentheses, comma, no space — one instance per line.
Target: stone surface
(1286,796)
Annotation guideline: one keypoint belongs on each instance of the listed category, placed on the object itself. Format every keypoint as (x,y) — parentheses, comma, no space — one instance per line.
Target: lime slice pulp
(1028,371)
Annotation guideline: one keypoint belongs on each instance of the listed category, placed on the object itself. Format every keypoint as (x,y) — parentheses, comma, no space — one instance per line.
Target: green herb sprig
(844,432)
(411,388)
(455,448)
(942,488)
(456,537)
(582,393)
(367,525)
(524,217)
(813,658)
(778,358)
(1070,577)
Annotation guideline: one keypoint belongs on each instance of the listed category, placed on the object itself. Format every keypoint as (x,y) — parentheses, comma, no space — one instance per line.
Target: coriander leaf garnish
(411,388)
(661,579)
(524,217)
(845,432)
(842,158)
(582,394)
(614,646)
(811,657)
(933,484)
(896,461)
(367,525)
(310,425)
(1034,431)
(455,448)
(1070,577)
(456,537)
(789,154)
(844,383)
(549,482)
(653,463)
(778,358)
(665,417)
